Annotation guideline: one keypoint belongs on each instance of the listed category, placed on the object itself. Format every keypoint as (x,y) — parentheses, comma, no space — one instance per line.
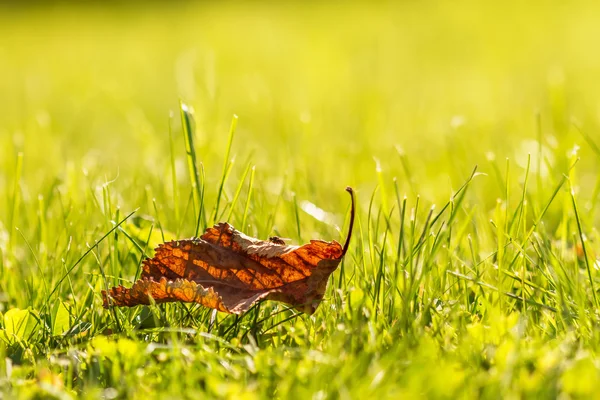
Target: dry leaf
(229,271)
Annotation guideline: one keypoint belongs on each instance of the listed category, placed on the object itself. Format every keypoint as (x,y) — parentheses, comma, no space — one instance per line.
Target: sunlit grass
(468,132)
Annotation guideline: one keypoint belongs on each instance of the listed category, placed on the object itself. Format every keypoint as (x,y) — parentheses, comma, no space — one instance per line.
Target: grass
(467,130)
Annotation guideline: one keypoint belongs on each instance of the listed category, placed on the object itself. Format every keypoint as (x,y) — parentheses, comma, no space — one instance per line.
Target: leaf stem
(352,213)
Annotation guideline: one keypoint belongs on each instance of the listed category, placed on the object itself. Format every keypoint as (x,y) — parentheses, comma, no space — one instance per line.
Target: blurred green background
(449,83)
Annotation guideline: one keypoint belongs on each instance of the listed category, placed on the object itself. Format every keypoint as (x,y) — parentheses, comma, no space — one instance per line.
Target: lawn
(469,132)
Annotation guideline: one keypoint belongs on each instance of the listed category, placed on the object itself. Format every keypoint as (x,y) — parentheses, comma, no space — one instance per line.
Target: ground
(469,132)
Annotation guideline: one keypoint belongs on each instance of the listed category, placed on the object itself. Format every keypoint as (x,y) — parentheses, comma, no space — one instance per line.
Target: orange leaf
(229,271)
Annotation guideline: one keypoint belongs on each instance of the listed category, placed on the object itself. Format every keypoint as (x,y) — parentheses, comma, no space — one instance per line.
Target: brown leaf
(229,271)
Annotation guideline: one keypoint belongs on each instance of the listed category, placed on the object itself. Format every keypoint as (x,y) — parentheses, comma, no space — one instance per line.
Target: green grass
(468,131)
